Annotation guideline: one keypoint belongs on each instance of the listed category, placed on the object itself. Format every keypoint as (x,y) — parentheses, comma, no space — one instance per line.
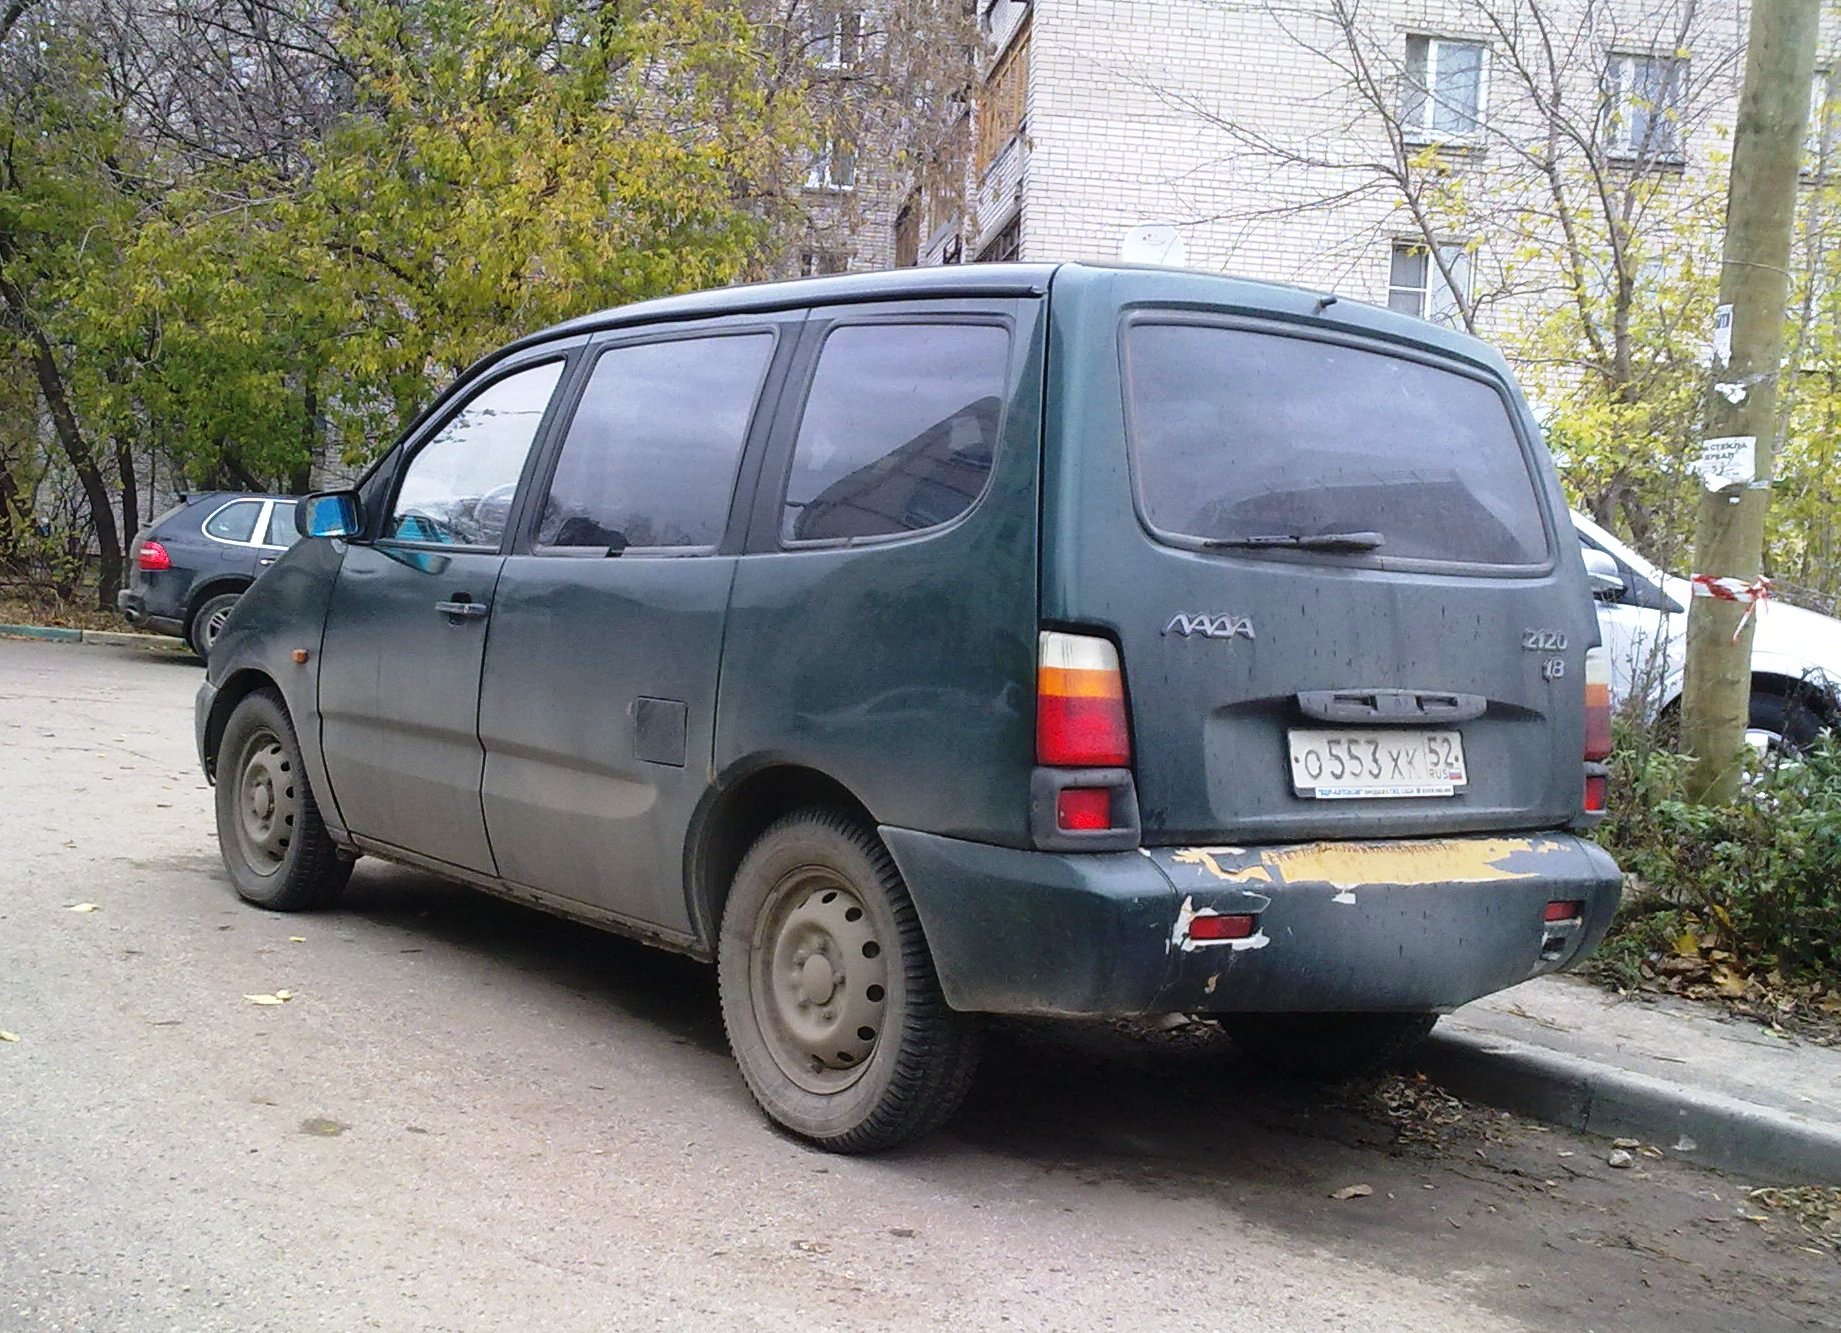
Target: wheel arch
(212,587)
(734,814)
(238,686)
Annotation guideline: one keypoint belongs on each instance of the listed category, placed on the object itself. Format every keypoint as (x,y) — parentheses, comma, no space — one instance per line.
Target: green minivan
(1000,639)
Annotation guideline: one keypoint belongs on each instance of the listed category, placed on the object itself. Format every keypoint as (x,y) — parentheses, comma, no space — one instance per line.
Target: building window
(1443,93)
(818,263)
(1006,245)
(1416,285)
(1817,141)
(1642,96)
(1002,104)
(837,37)
(835,167)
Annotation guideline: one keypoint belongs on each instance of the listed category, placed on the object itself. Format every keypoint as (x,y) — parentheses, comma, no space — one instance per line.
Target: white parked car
(1643,619)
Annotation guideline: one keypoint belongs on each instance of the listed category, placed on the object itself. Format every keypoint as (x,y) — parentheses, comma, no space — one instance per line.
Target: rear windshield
(1239,435)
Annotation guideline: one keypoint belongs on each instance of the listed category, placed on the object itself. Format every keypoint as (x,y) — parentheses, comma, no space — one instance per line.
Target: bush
(1761,876)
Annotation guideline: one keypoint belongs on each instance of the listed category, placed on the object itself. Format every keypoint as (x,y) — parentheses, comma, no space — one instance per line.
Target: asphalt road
(471,1116)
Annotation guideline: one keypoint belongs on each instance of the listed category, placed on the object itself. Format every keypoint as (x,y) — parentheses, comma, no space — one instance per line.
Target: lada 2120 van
(985,640)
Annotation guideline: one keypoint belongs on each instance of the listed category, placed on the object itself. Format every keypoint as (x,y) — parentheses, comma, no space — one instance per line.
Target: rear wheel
(208,622)
(268,826)
(1778,724)
(1327,1046)
(829,995)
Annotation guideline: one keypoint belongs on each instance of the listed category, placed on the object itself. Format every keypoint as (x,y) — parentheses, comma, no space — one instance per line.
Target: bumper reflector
(1569,909)
(1237,926)
(1597,793)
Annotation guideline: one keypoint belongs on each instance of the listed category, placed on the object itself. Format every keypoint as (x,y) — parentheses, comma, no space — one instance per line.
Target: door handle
(266,560)
(468,610)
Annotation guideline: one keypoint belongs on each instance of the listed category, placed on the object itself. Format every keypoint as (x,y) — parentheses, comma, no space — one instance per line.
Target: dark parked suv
(998,639)
(187,568)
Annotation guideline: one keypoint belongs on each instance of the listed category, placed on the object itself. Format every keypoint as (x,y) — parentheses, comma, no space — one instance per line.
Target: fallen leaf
(1729,982)
(1687,945)
(1353,1192)
(812,1246)
(297,939)
(279,998)
(1619,1158)
(284,995)
(9,1036)
(1626,1143)
(81,907)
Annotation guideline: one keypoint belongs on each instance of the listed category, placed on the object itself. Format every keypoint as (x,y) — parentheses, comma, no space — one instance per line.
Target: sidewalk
(110,638)
(1677,1075)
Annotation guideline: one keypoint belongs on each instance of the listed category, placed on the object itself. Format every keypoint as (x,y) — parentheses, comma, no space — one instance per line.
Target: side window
(234,522)
(458,487)
(281,526)
(651,455)
(899,429)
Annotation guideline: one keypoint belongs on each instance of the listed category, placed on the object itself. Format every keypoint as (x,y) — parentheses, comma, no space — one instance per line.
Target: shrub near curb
(1752,888)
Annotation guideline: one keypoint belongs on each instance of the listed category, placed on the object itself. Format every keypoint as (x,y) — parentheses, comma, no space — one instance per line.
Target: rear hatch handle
(1396,706)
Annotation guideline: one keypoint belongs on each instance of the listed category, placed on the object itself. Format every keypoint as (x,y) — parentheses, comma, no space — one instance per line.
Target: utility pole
(1767,155)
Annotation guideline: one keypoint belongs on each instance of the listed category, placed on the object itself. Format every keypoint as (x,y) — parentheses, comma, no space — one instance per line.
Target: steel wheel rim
(267,802)
(818,975)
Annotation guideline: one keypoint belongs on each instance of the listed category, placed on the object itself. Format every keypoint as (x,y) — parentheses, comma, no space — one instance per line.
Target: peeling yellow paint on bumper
(1348,865)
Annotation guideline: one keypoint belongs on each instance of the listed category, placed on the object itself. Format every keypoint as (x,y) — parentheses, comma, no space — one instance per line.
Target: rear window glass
(1242,436)
(234,522)
(281,531)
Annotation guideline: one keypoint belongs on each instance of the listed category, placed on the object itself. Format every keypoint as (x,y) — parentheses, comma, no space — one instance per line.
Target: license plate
(1365,762)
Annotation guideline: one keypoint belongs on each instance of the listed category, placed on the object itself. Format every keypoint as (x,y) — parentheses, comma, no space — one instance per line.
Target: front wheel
(1327,1046)
(829,995)
(269,829)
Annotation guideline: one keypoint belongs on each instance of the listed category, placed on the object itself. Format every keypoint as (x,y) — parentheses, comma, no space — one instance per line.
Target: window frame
(1427,133)
(1524,439)
(1432,276)
(1617,88)
(766,531)
(465,390)
(773,326)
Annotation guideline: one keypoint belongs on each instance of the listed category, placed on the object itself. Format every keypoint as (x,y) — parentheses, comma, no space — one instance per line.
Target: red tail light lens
(1078,808)
(1597,705)
(152,557)
(1564,909)
(1597,793)
(1080,703)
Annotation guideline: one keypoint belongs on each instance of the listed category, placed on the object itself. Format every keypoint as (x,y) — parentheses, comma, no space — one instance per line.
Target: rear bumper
(133,607)
(1421,925)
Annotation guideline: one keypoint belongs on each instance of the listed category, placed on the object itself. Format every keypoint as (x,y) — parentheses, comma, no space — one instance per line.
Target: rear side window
(1243,437)
(899,430)
(459,486)
(281,530)
(234,522)
(651,456)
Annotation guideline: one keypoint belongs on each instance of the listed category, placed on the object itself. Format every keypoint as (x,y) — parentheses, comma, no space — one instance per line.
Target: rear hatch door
(1327,549)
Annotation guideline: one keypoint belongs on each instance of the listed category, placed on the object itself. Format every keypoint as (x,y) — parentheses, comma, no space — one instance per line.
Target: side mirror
(329,514)
(1602,573)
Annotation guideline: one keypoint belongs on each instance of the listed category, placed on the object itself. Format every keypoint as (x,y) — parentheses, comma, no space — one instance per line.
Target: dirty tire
(1327,1046)
(208,622)
(829,995)
(269,830)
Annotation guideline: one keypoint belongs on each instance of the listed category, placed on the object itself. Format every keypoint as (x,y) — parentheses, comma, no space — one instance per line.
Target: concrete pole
(1767,155)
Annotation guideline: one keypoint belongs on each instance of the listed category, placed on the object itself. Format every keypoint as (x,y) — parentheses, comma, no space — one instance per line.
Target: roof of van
(995,280)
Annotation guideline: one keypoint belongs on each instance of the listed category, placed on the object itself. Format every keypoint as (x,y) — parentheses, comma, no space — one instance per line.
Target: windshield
(1259,440)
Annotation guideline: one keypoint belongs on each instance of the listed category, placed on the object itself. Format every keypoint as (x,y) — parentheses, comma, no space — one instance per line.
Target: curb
(1603,1100)
(105,637)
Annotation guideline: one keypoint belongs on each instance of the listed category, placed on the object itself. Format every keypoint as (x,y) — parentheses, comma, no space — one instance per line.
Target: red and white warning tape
(1748,595)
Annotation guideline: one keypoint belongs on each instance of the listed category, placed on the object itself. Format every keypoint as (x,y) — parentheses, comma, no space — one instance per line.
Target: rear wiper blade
(1322,541)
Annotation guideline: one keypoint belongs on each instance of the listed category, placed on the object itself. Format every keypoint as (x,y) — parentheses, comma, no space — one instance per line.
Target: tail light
(1597,705)
(1597,793)
(152,557)
(1080,703)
